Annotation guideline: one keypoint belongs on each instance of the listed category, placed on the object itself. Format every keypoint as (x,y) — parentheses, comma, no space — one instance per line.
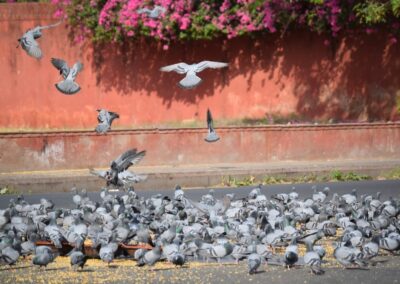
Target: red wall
(85,149)
(297,75)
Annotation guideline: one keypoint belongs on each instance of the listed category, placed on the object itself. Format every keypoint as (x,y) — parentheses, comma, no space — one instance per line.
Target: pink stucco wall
(355,80)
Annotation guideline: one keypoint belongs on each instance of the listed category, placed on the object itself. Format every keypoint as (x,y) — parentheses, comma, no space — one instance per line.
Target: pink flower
(165,47)
(130,33)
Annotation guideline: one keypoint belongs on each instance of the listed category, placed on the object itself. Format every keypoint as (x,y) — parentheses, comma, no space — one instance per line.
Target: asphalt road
(386,187)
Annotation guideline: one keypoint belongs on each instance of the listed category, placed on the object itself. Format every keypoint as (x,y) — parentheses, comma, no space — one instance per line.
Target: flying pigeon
(28,40)
(119,166)
(68,86)
(105,119)
(191,80)
(154,13)
(212,135)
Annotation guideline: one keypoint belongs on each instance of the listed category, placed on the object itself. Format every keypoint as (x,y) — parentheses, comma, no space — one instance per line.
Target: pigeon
(77,258)
(8,256)
(105,119)
(154,13)
(28,40)
(347,256)
(119,165)
(291,254)
(253,262)
(313,260)
(191,80)
(150,257)
(43,256)
(212,135)
(68,86)
(178,259)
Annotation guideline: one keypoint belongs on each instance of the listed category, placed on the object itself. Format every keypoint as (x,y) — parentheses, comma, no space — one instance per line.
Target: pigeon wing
(76,69)
(209,64)
(61,65)
(127,159)
(31,46)
(101,174)
(102,116)
(209,121)
(180,68)
(49,26)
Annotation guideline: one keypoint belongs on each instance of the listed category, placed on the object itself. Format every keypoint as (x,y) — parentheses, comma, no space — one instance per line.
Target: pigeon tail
(190,81)
(68,87)
(212,137)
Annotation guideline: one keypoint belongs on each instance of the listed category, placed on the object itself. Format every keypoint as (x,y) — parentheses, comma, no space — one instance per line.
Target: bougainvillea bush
(113,20)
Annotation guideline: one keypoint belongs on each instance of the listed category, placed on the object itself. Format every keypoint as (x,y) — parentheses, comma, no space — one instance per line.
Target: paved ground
(204,175)
(125,271)
(387,188)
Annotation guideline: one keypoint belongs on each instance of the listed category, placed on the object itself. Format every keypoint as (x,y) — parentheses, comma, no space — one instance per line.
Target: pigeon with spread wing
(105,119)
(191,80)
(118,174)
(68,86)
(28,40)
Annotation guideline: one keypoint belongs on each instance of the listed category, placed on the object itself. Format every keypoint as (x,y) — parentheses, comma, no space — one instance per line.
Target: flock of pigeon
(179,229)
(68,86)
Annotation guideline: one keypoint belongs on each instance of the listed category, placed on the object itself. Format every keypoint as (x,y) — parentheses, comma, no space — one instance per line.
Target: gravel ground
(125,271)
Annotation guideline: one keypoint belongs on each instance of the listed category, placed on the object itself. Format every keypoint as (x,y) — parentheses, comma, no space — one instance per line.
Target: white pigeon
(191,80)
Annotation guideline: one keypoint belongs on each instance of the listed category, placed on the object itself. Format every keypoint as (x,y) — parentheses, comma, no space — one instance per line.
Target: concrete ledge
(177,147)
(202,175)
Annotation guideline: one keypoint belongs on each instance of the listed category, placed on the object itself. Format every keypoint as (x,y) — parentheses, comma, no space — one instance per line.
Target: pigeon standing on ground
(191,80)
(313,260)
(212,135)
(105,119)
(28,40)
(43,256)
(153,13)
(77,258)
(68,86)
(253,262)
(115,175)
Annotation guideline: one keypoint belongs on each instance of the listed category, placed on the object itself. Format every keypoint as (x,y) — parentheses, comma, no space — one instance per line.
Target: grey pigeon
(347,256)
(153,13)
(150,257)
(313,260)
(178,259)
(105,119)
(119,165)
(28,40)
(8,256)
(68,86)
(212,135)
(77,258)
(43,256)
(291,254)
(253,262)
(191,80)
